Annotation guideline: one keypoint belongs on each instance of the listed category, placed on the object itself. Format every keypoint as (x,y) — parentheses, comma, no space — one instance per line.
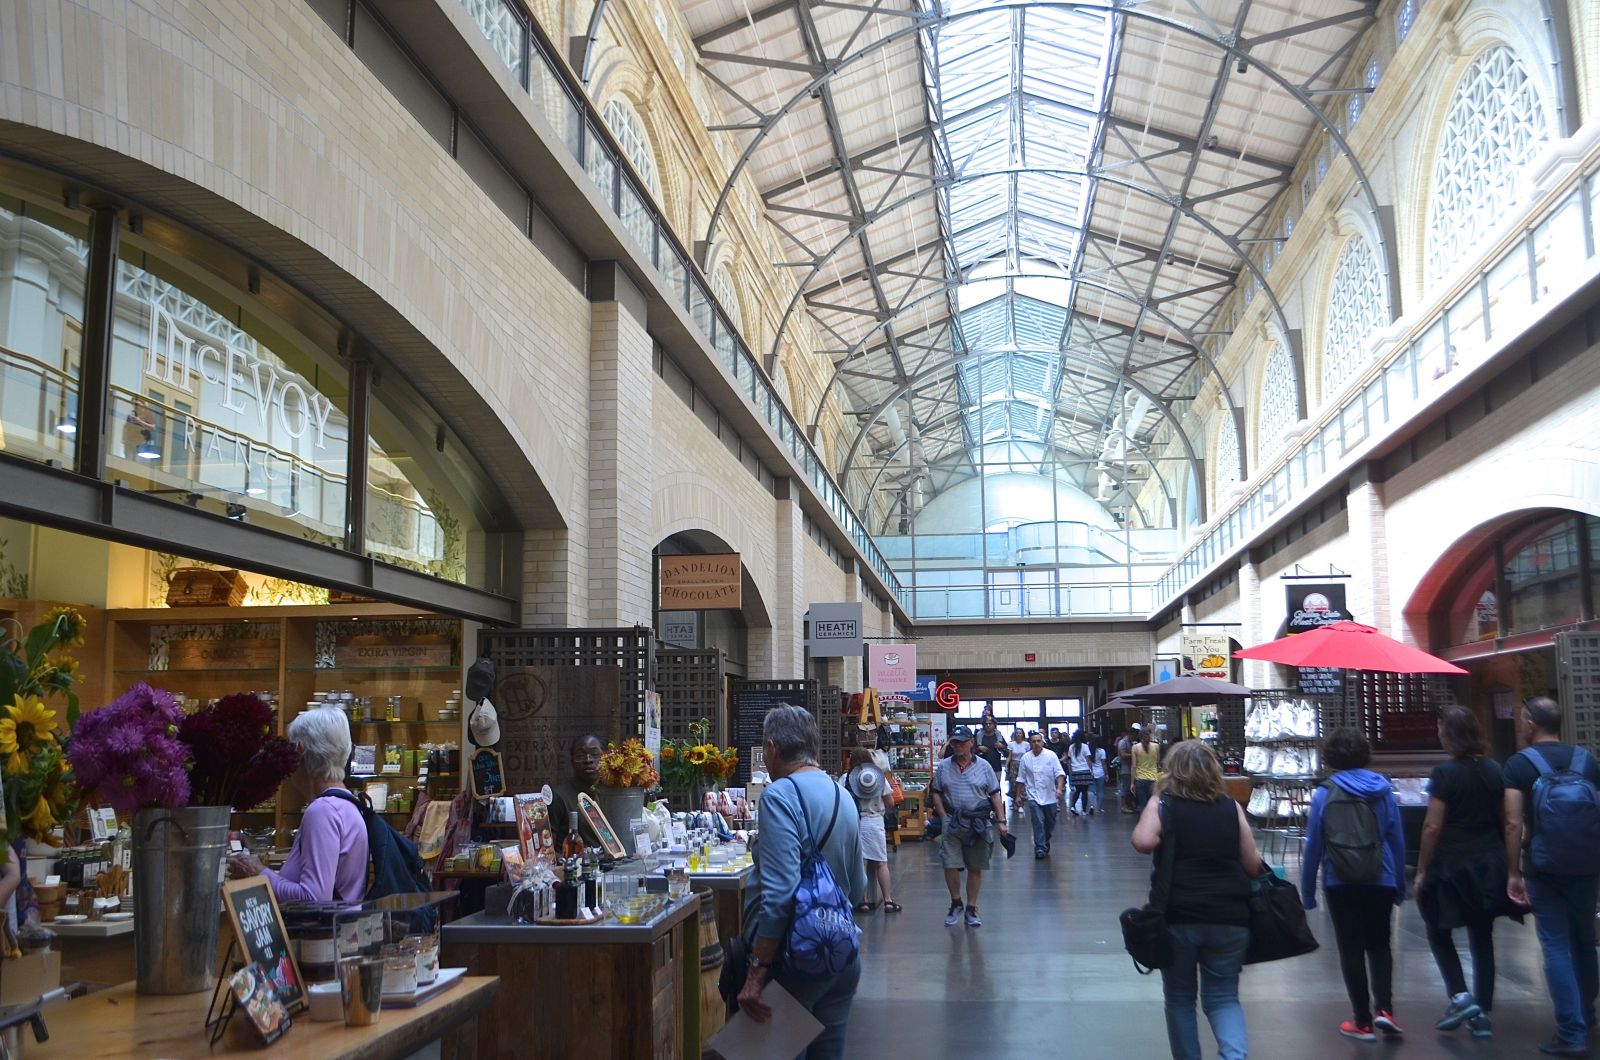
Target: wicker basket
(204,587)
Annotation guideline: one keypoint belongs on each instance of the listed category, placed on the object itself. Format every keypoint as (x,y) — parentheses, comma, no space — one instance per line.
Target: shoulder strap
(1161,892)
(360,802)
(1537,759)
(1580,762)
(831,821)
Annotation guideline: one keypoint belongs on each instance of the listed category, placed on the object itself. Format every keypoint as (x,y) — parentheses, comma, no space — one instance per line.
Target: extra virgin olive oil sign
(357,648)
(258,928)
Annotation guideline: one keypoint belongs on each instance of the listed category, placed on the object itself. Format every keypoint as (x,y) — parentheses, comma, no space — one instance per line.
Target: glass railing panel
(1560,248)
(1464,324)
(503,29)
(637,220)
(1510,292)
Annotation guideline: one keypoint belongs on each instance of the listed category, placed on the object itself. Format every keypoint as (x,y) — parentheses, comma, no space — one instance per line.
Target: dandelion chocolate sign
(700,583)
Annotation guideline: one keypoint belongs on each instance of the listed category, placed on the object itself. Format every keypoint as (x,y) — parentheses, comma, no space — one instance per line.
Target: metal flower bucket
(177,901)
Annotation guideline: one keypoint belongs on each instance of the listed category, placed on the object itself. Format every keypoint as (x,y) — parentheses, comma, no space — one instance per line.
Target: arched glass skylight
(1494,128)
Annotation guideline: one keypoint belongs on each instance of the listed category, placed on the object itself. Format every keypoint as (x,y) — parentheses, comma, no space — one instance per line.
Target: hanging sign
(1312,605)
(681,629)
(892,667)
(834,630)
(704,583)
(1206,654)
(945,696)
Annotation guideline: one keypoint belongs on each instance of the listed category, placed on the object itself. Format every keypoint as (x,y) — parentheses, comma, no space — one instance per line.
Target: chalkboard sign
(1320,681)
(750,707)
(258,928)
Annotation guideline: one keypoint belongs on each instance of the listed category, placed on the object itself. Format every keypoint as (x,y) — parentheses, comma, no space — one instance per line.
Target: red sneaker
(1352,1029)
(1386,1023)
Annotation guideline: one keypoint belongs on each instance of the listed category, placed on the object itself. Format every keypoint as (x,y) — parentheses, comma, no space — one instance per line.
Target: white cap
(484,727)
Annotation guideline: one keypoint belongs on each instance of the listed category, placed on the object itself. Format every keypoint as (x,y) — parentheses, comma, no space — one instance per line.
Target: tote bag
(1278,927)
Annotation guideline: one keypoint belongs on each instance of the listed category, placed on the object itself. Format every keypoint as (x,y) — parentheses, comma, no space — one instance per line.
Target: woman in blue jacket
(1373,847)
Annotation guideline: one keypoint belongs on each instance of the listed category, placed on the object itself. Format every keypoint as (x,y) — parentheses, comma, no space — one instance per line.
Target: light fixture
(236,512)
(1244,67)
(68,425)
(147,449)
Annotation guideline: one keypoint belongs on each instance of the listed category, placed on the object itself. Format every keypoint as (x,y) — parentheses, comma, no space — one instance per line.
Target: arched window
(1277,413)
(1494,127)
(1354,311)
(1224,461)
(628,128)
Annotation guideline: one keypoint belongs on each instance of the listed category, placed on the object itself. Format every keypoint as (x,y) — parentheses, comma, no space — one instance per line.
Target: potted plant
(627,771)
(179,776)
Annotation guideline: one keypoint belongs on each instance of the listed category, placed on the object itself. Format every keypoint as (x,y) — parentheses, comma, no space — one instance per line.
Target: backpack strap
(1539,762)
(1580,762)
(363,806)
(831,821)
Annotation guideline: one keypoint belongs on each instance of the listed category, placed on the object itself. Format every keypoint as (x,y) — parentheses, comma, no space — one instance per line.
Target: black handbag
(1144,930)
(1278,927)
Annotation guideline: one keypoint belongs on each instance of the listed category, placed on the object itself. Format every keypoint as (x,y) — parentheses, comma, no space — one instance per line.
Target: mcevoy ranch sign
(268,397)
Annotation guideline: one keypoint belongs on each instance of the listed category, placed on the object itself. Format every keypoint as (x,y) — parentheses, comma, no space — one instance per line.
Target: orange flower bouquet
(628,766)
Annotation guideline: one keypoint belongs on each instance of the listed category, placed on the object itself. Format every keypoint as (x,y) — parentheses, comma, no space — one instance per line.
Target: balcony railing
(508,29)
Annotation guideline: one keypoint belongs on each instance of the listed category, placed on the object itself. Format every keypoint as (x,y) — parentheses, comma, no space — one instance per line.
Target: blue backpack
(1566,817)
(823,936)
(394,866)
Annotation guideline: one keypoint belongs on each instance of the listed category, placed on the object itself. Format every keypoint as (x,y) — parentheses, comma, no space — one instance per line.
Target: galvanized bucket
(177,903)
(621,806)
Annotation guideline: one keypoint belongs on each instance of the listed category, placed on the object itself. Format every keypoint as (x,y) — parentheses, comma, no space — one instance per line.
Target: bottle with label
(591,880)
(572,845)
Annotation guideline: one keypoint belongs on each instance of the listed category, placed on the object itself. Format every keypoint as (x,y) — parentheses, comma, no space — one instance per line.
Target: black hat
(480,681)
(961,732)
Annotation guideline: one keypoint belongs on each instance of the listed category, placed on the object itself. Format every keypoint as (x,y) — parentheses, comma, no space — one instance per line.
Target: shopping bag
(1278,927)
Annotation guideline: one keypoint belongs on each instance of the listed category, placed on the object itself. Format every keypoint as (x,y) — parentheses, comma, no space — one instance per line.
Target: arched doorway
(1497,600)
(740,634)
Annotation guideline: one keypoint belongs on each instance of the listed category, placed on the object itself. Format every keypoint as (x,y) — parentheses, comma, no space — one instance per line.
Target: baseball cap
(961,732)
(483,729)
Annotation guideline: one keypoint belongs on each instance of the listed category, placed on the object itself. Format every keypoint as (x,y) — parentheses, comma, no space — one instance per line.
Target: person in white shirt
(1097,767)
(1044,781)
(1018,746)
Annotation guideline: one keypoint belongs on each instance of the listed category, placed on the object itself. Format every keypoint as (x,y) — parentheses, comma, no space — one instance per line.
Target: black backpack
(1350,836)
(394,866)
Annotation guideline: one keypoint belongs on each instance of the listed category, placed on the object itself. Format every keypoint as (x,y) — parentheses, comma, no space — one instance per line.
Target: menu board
(258,927)
(750,707)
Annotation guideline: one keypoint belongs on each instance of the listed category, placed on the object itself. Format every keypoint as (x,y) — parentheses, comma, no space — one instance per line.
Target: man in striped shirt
(966,794)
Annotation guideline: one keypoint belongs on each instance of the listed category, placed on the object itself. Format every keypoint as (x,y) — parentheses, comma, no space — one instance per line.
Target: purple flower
(126,754)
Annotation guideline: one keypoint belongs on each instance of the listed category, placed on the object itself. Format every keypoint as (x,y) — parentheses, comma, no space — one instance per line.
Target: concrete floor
(1046,975)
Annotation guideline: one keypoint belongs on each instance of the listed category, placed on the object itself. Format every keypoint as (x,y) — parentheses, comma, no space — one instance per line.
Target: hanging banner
(1311,605)
(834,630)
(892,667)
(1206,654)
(703,583)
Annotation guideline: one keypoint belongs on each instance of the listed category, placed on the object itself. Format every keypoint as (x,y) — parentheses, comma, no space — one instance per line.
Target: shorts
(954,854)
(874,842)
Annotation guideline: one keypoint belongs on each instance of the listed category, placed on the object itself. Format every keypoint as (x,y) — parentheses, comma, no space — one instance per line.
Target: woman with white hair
(328,861)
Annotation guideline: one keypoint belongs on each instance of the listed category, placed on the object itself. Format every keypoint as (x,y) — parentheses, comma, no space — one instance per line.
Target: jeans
(1125,785)
(1563,918)
(1099,789)
(1480,940)
(828,999)
(1043,820)
(1361,917)
(1079,797)
(1218,951)
(1141,793)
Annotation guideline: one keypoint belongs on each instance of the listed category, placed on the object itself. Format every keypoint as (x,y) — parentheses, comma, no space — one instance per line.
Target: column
(1368,594)
(789,609)
(852,679)
(621,460)
(1256,674)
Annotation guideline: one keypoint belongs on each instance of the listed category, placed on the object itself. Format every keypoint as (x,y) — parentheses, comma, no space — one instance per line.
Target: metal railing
(1545,259)
(507,26)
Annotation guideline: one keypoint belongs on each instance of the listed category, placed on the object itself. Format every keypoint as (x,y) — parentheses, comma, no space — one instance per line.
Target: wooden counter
(583,993)
(118,1023)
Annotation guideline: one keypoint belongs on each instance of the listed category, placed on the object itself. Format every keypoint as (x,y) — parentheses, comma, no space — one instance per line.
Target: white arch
(1355,307)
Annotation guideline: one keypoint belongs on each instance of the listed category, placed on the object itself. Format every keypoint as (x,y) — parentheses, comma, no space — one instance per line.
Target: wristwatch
(756,964)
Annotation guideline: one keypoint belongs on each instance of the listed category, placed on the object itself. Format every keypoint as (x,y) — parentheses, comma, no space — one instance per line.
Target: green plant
(453,567)
(13,581)
(35,667)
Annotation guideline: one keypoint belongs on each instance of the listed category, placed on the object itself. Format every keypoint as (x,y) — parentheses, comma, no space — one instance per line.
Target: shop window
(430,507)
(1355,309)
(219,411)
(1495,126)
(1544,580)
(43,271)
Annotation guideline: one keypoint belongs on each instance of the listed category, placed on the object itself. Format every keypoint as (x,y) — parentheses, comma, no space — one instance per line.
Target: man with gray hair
(802,810)
(966,793)
(1552,822)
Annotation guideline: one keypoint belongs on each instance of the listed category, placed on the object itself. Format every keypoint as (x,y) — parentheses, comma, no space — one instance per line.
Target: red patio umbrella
(1349,646)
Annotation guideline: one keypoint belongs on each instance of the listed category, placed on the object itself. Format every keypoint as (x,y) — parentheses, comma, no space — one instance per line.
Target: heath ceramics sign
(835,630)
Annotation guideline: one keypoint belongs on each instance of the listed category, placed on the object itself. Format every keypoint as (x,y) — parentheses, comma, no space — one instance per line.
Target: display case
(297,655)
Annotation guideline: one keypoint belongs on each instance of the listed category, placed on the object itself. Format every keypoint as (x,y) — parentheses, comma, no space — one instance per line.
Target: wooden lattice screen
(1398,712)
(631,650)
(690,682)
(1578,682)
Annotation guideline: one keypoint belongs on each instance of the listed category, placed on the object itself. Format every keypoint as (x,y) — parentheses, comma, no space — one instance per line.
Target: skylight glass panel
(1038,324)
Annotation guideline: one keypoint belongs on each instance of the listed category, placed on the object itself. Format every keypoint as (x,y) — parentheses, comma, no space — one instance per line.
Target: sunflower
(72,629)
(40,819)
(65,671)
(27,726)
(697,755)
(668,752)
